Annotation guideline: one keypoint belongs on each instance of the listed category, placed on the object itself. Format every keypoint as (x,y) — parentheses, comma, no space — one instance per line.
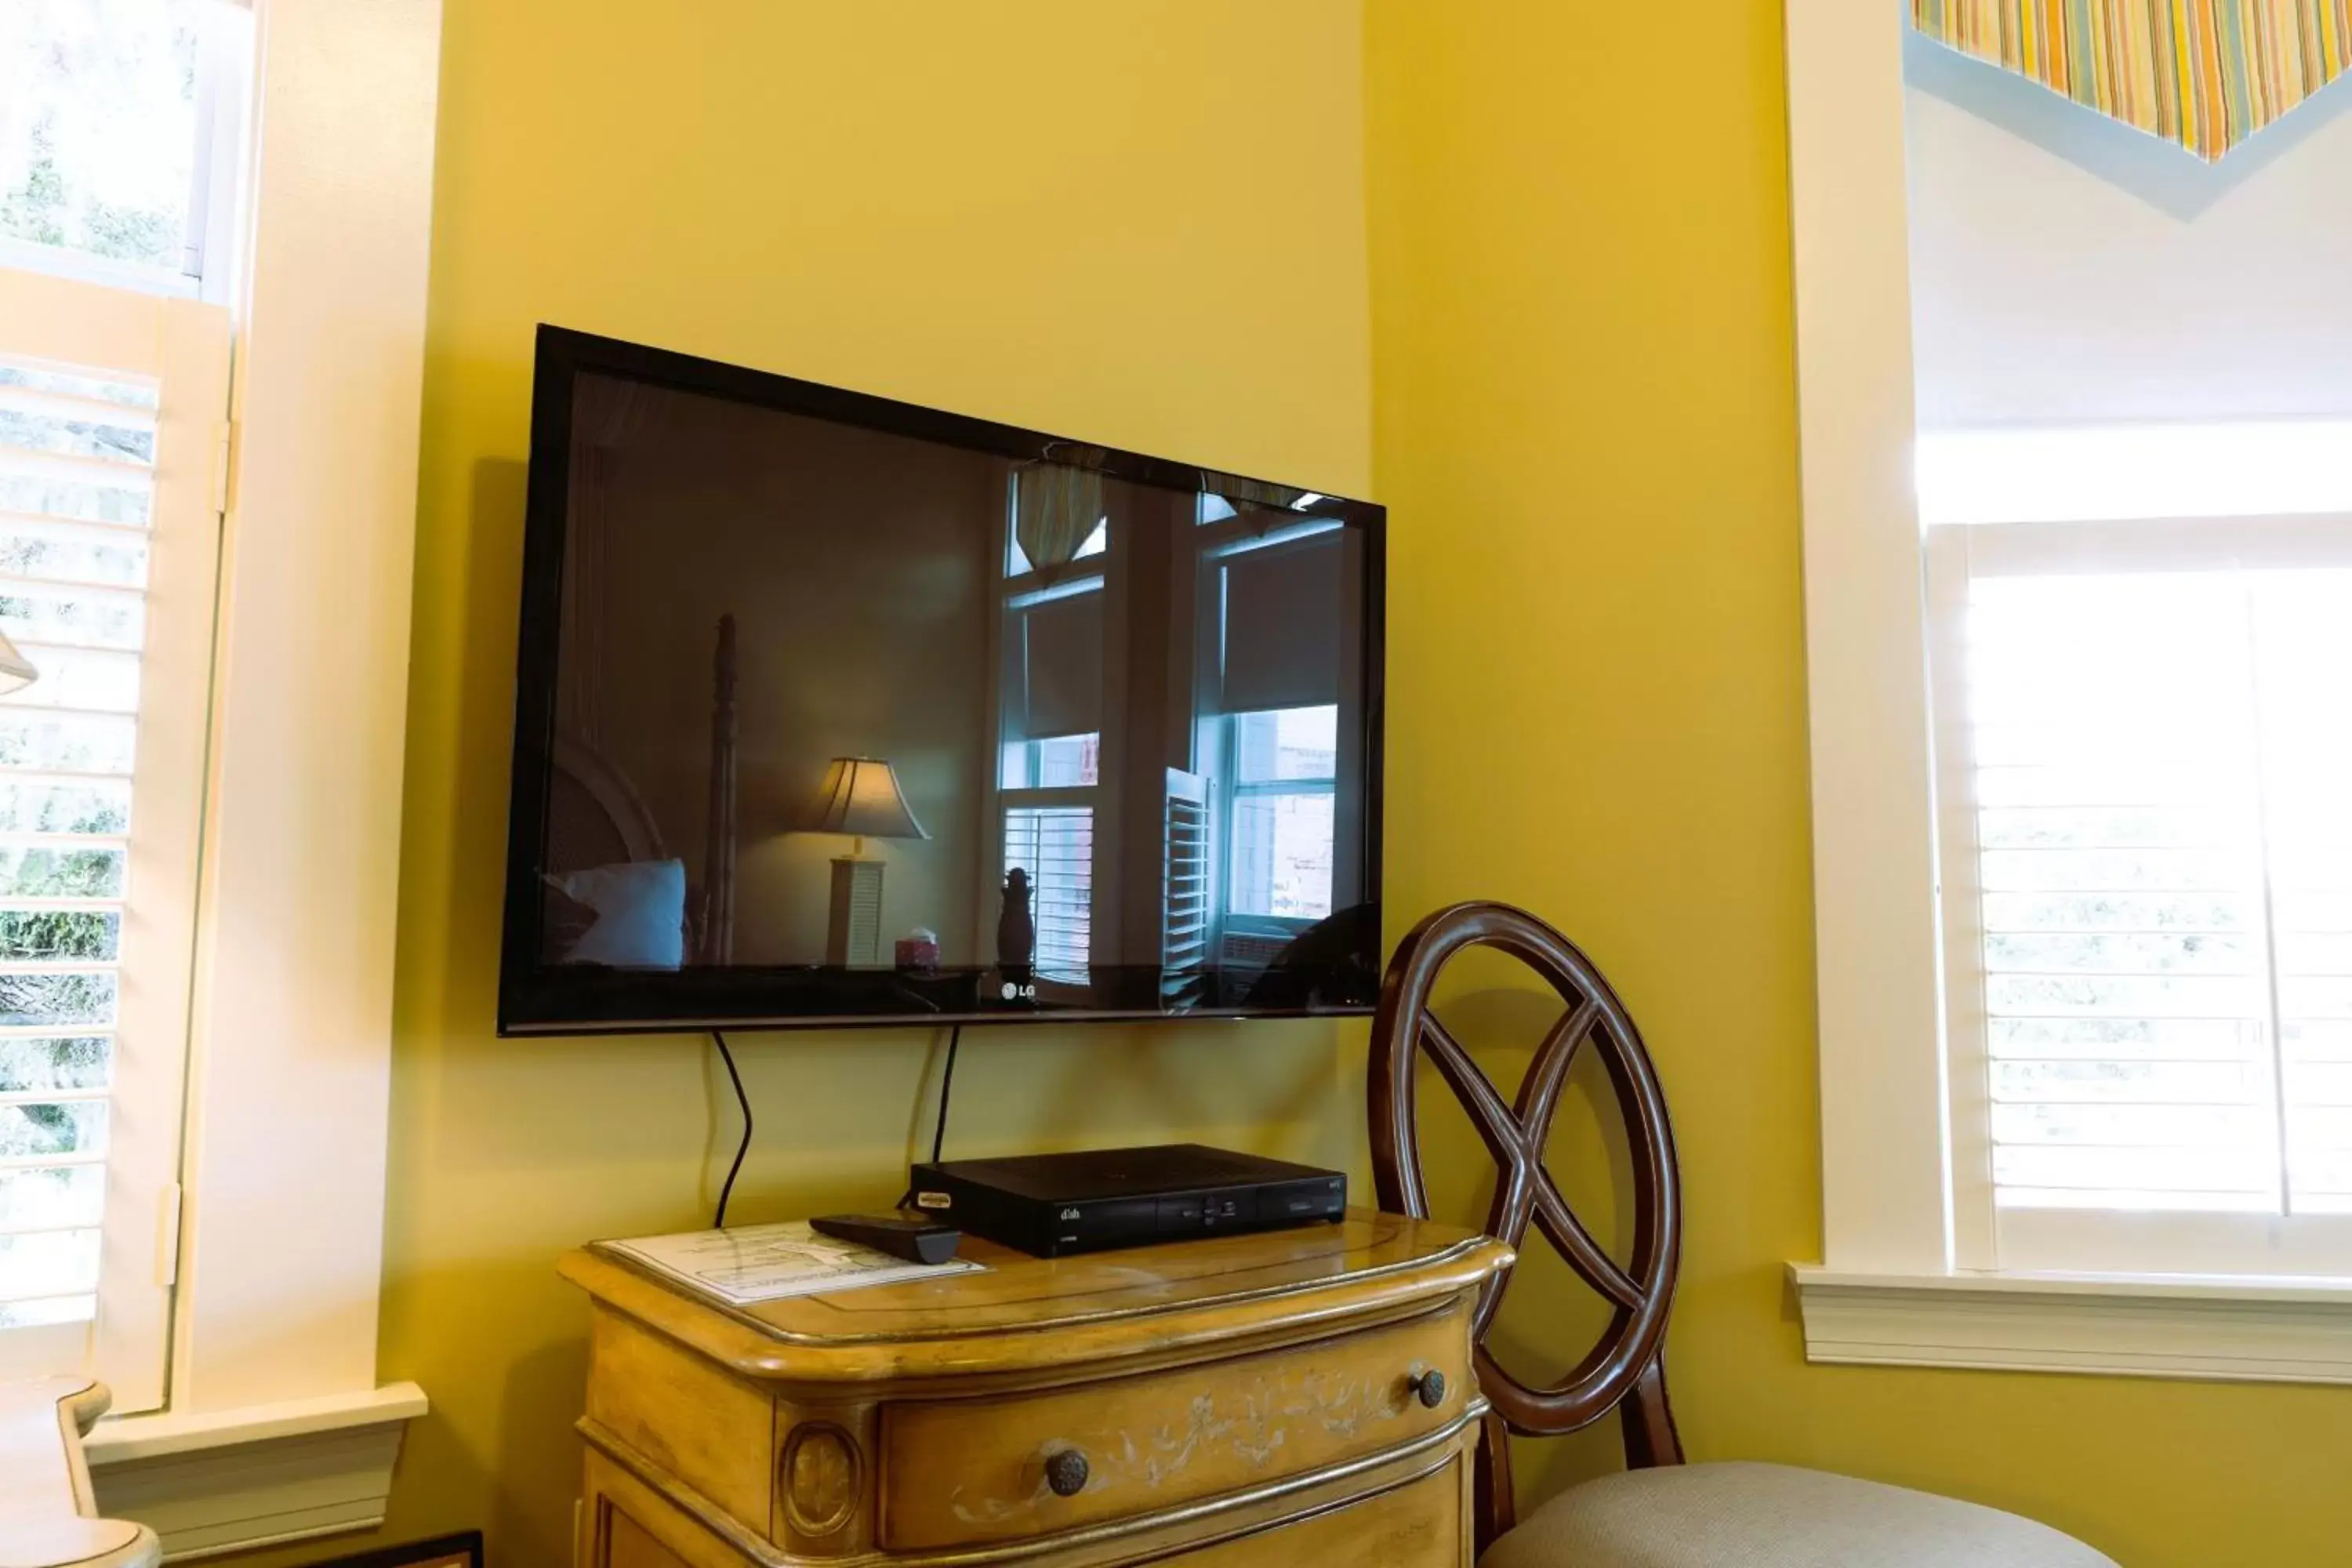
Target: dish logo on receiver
(1069,1214)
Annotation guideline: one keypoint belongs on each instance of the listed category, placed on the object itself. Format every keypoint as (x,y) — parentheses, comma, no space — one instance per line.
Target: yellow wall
(1141,223)
(1146,222)
(1585,418)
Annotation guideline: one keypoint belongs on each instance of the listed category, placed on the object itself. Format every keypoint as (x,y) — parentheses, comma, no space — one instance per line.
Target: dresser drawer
(967,1472)
(1418,1525)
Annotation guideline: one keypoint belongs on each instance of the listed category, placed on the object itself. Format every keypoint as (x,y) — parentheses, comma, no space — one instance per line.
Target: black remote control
(918,1239)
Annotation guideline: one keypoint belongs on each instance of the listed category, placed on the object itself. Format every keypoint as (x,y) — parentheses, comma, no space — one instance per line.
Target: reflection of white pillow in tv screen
(640,913)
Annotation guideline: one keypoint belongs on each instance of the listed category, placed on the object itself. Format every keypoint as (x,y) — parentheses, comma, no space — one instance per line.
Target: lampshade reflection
(861,797)
(16,672)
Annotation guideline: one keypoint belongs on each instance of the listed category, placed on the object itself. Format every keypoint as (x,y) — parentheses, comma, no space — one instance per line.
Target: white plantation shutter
(1185,917)
(1056,844)
(112,428)
(2145,741)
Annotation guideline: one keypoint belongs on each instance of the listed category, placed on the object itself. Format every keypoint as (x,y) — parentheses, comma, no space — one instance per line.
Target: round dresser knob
(1065,1472)
(1429,1387)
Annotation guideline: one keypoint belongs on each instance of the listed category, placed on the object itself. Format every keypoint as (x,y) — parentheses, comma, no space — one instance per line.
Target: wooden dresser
(1295,1397)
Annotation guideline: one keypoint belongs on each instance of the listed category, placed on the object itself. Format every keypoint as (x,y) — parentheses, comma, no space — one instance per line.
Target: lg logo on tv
(1013,992)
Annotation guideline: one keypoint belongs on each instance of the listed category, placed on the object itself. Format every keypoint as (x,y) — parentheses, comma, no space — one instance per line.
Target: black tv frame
(535,998)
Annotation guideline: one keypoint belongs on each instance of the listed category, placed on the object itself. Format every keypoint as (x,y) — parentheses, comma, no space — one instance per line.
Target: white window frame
(1016,594)
(2107,1241)
(272,1378)
(1216,541)
(1901,1279)
(1233,791)
(217,208)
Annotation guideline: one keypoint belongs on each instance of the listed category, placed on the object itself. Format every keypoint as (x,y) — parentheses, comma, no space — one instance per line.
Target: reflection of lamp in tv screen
(861,798)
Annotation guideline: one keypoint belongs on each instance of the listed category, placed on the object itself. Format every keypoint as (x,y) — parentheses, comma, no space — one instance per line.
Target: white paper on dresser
(771,1262)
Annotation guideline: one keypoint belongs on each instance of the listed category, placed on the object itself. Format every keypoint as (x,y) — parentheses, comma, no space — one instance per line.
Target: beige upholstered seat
(1771,1516)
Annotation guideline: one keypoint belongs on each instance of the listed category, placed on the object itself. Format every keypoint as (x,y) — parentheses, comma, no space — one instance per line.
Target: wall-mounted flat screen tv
(832,710)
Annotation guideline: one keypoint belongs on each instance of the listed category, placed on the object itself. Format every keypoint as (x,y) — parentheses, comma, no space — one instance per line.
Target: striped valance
(2207,74)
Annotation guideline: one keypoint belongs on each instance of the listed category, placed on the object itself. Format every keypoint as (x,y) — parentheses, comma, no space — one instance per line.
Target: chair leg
(1491,1498)
(1650,1436)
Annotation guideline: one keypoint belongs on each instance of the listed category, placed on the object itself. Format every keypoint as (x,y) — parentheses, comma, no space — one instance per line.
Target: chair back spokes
(1625,1369)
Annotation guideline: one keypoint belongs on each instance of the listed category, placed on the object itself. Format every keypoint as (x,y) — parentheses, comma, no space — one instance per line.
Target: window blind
(1056,844)
(112,439)
(76,491)
(1283,607)
(1184,914)
(2157,768)
(1061,645)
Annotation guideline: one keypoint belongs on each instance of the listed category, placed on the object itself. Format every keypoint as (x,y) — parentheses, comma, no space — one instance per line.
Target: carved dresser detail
(1233,1403)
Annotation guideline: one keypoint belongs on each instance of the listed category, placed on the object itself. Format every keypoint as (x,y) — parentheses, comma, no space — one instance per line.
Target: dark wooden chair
(1659,1514)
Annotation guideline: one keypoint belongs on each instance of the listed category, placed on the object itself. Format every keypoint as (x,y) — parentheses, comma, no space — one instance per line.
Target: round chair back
(1625,1371)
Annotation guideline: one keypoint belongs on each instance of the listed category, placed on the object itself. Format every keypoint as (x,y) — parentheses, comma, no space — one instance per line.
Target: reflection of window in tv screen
(833,708)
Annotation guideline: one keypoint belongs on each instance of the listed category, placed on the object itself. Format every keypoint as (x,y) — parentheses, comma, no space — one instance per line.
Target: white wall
(2068,269)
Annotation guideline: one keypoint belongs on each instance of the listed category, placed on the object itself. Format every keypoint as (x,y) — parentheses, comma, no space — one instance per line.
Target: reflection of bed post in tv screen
(832,709)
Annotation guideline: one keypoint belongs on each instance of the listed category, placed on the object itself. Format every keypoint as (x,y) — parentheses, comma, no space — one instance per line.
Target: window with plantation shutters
(1285,780)
(1055,844)
(113,432)
(1050,717)
(2144,748)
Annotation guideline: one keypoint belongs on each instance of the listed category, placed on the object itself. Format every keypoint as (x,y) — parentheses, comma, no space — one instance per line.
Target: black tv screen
(832,709)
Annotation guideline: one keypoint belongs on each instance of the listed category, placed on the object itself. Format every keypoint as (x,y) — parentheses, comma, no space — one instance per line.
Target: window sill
(2230,1330)
(229,1480)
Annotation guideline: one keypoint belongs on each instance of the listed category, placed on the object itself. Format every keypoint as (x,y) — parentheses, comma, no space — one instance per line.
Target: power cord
(947,1088)
(938,1132)
(718,1220)
(940,1129)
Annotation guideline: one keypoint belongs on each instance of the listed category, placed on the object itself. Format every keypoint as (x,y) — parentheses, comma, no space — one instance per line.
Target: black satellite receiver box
(1055,1204)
